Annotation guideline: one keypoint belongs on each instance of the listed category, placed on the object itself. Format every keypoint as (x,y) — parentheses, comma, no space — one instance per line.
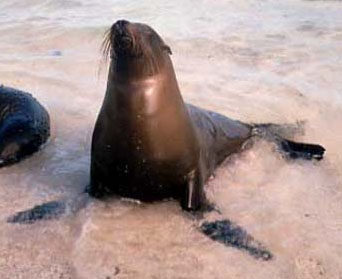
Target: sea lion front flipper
(50,210)
(193,197)
(232,235)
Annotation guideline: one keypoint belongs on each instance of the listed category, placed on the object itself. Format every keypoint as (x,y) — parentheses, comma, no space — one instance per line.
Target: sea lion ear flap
(168,49)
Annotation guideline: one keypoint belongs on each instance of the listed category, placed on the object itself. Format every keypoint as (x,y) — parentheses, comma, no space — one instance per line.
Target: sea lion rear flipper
(291,149)
(50,210)
(230,234)
(307,151)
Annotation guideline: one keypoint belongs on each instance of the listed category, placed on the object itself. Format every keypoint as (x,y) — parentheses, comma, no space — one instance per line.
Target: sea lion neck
(135,68)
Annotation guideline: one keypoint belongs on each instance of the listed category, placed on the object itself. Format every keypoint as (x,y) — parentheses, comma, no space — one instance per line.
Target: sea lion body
(148,156)
(219,136)
(147,143)
(24,125)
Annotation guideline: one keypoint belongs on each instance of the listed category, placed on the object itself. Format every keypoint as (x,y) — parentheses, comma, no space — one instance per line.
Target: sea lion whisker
(104,50)
(106,44)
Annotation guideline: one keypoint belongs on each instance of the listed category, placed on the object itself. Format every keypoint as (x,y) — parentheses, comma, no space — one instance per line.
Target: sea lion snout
(123,40)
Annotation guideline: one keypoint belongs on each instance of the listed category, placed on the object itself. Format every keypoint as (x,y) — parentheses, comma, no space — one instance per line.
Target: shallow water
(257,61)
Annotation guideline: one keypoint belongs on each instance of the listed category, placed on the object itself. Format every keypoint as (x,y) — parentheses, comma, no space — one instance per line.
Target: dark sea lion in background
(149,145)
(24,125)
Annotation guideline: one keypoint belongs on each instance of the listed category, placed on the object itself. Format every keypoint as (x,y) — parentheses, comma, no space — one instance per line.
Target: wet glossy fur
(24,125)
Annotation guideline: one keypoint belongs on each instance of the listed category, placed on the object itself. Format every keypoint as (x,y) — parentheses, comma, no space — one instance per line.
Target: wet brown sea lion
(24,125)
(149,145)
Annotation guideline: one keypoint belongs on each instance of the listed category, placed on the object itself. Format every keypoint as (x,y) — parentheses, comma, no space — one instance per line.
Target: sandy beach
(255,61)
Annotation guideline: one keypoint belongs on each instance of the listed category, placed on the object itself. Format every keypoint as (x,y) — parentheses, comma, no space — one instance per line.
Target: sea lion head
(135,47)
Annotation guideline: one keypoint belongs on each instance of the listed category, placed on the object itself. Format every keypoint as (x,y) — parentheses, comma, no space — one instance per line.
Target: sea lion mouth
(123,43)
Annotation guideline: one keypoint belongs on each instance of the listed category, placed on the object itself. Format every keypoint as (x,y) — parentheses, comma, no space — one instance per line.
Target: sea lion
(24,125)
(149,145)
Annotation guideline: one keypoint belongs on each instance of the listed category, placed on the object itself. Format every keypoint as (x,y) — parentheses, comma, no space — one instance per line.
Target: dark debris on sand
(230,234)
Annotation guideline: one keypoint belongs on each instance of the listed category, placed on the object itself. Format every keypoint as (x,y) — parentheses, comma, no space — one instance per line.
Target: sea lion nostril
(119,27)
(122,23)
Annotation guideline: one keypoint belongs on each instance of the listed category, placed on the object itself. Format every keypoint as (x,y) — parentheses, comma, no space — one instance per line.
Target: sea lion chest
(144,138)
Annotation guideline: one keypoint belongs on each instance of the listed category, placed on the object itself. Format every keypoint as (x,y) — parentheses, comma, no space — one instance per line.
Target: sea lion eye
(167,48)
